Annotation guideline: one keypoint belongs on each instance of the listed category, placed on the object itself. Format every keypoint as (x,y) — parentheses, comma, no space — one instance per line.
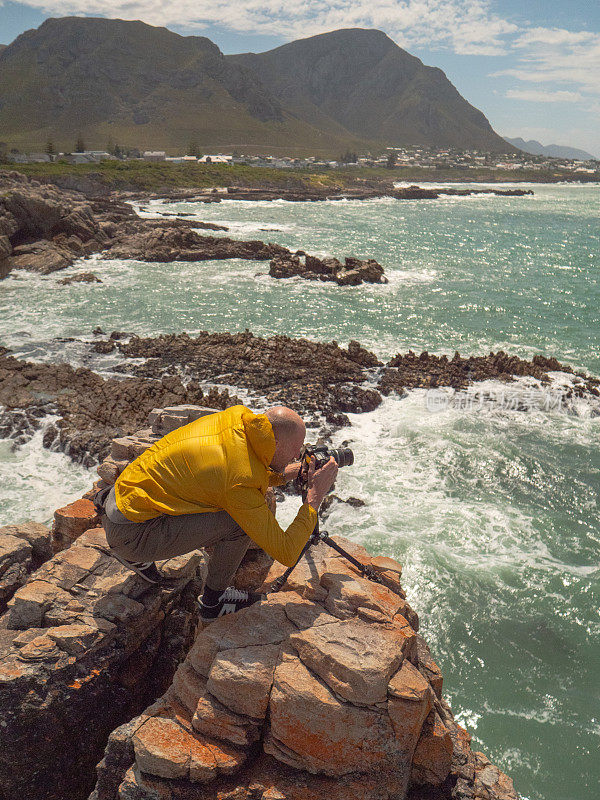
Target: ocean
(491,504)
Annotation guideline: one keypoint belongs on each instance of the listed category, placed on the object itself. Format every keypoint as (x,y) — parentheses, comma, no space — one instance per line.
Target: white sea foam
(36,481)
(406,463)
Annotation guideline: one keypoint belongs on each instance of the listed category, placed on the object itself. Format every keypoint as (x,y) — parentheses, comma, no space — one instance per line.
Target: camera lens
(343,455)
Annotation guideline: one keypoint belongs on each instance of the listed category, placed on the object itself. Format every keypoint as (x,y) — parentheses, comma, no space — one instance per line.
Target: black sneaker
(146,569)
(229,602)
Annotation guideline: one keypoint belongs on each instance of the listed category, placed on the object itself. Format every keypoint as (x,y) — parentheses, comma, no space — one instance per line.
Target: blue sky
(532,66)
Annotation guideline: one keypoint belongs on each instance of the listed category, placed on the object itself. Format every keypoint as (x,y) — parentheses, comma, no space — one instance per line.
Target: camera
(343,456)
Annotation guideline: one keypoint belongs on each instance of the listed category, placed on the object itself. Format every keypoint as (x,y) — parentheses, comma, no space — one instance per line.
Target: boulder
(81,277)
(5,248)
(71,521)
(36,211)
(41,256)
(15,563)
(36,534)
(432,757)
(352,273)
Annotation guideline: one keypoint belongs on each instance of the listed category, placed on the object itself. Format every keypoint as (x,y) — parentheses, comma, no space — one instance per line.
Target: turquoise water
(492,511)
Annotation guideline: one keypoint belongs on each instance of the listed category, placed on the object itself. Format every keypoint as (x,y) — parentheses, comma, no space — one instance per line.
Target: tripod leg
(280,582)
(364,569)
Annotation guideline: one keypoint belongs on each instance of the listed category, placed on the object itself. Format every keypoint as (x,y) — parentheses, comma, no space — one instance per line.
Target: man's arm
(249,509)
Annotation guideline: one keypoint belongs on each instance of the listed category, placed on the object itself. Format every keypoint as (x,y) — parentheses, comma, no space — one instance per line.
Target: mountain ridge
(138,85)
(536,148)
(322,75)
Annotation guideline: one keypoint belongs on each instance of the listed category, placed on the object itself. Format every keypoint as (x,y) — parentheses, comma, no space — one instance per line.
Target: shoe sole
(207,620)
(130,566)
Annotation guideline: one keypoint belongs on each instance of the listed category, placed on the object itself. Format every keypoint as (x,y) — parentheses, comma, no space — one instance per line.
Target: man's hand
(290,473)
(320,481)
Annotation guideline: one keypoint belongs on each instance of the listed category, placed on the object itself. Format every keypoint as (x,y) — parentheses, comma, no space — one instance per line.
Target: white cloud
(559,57)
(553,36)
(536,96)
(465,26)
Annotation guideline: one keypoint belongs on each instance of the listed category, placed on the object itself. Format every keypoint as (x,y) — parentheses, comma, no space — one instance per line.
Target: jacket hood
(260,435)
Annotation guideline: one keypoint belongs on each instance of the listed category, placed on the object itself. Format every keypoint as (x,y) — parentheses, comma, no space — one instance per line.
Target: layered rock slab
(82,643)
(324,689)
(22,548)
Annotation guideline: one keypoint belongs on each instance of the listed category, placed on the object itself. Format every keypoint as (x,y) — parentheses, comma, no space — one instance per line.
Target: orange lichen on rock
(71,521)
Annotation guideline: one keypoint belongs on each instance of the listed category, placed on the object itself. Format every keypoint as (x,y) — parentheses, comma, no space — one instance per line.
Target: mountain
(550,150)
(138,85)
(361,80)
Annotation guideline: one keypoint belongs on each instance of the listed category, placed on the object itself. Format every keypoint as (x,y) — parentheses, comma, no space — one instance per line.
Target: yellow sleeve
(248,508)
(276,478)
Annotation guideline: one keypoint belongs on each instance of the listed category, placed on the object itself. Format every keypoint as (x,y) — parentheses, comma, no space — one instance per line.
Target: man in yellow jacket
(204,485)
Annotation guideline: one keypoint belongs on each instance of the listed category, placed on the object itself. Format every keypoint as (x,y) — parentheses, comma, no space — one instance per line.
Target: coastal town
(416,157)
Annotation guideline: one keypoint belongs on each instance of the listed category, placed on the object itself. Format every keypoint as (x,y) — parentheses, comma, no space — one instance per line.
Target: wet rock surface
(309,376)
(381,188)
(427,370)
(160,242)
(353,272)
(81,277)
(324,690)
(92,410)
(45,228)
(322,381)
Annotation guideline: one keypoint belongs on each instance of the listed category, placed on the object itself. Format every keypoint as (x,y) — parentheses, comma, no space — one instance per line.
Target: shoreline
(45,228)
(137,177)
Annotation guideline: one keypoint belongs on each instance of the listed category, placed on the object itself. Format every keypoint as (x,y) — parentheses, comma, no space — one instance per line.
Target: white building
(155,155)
(215,159)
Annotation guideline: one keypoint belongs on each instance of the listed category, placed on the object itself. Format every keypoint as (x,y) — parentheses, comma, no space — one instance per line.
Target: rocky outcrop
(92,410)
(368,190)
(428,370)
(81,277)
(321,380)
(71,521)
(84,644)
(352,273)
(165,244)
(314,378)
(23,548)
(45,230)
(5,253)
(324,690)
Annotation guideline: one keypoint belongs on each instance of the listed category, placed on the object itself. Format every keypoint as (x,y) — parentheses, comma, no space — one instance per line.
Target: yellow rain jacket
(219,462)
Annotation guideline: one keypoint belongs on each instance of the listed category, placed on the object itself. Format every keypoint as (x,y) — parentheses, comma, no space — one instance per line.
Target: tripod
(322,536)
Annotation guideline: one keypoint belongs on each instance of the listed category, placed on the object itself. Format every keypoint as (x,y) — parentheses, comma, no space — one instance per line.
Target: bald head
(285,422)
(289,431)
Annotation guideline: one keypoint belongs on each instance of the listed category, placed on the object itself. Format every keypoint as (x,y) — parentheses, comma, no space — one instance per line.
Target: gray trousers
(168,536)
